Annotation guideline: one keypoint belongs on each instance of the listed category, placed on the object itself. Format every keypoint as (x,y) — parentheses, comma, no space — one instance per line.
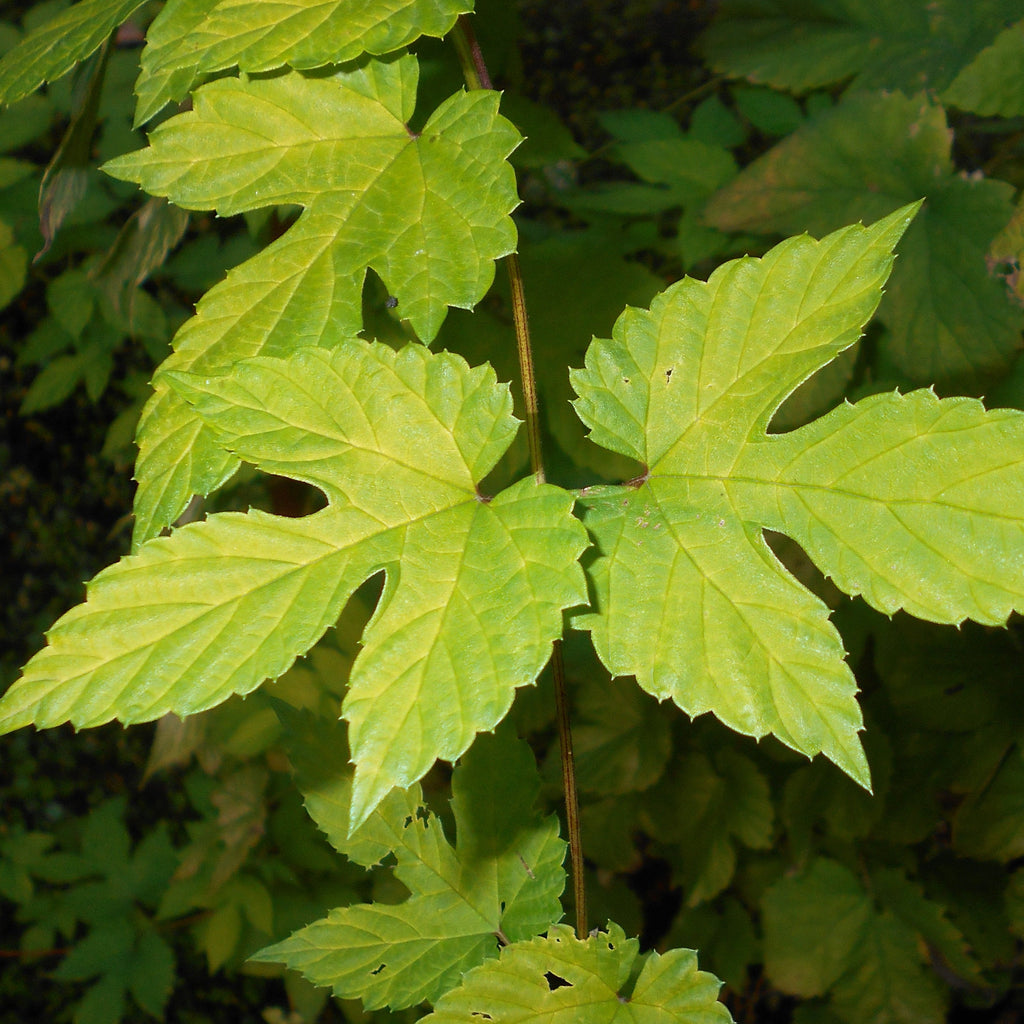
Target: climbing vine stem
(475,72)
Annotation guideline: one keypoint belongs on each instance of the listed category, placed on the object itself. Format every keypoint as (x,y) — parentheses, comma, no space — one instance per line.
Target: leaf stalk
(474,70)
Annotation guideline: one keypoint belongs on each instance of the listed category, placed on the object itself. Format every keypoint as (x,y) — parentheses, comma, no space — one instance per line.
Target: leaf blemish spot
(555,981)
(378,970)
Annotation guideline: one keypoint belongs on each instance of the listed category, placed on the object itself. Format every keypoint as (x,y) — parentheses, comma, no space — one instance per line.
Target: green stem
(475,72)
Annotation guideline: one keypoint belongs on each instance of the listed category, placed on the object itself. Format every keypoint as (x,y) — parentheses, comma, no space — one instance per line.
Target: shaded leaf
(803,44)
(502,879)
(55,48)
(823,935)
(13,265)
(993,83)
(815,925)
(725,935)
(948,317)
(564,980)
(429,212)
(989,824)
(621,741)
(141,247)
(928,919)
(398,442)
(702,810)
(66,177)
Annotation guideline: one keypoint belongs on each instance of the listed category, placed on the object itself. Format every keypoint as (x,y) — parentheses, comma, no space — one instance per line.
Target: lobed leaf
(55,48)
(429,212)
(563,980)
(823,935)
(190,38)
(398,441)
(502,879)
(911,501)
(947,314)
(801,45)
(688,596)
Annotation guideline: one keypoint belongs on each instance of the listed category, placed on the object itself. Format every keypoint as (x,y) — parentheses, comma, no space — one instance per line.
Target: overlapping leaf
(823,935)
(701,811)
(913,502)
(948,315)
(194,37)
(803,44)
(398,442)
(564,980)
(55,48)
(429,212)
(503,879)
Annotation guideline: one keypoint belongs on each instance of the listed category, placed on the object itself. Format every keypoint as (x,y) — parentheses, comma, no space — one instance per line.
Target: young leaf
(948,315)
(55,48)
(193,37)
(428,212)
(398,442)
(689,598)
(502,879)
(563,980)
(805,44)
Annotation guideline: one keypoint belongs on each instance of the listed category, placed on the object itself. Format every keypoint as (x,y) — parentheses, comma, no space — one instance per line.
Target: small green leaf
(993,83)
(434,248)
(13,265)
(815,925)
(563,980)
(398,442)
(152,973)
(57,380)
(55,48)
(502,879)
(193,37)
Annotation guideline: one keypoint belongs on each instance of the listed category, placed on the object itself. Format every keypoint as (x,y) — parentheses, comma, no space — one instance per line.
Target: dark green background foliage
(140,869)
